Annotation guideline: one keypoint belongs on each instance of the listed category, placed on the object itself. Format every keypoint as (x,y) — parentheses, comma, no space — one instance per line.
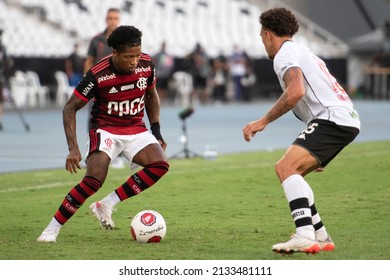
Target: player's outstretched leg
(298,192)
(71,203)
(134,185)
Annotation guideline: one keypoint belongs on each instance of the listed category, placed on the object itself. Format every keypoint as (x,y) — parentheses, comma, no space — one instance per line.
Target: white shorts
(114,145)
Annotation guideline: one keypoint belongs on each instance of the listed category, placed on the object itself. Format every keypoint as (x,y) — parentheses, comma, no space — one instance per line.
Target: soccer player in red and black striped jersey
(122,87)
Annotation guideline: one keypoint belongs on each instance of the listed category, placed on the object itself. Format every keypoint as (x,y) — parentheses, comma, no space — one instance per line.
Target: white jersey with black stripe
(324,97)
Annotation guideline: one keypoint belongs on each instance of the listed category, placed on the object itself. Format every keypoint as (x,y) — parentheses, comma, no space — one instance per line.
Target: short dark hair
(113,10)
(280,21)
(124,36)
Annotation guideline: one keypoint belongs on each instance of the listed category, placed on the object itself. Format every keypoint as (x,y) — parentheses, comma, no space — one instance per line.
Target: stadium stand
(50,28)
(46,31)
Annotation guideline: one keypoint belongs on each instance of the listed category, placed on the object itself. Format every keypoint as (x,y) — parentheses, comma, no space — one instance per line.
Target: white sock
(53,225)
(320,234)
(311,195)
(296,187)
(112,199)
(306,231)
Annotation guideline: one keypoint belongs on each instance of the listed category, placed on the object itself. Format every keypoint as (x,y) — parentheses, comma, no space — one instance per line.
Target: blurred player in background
(98,48)
(74,66)
(315,97)
(122,87)
(165,64)
(199,67)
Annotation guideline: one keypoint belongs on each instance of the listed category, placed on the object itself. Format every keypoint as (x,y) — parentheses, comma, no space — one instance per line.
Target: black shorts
(325,139)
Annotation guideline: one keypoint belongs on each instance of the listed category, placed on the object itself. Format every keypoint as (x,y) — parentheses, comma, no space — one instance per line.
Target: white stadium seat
(37,94)
(64,90)
(19,88)
(219,24)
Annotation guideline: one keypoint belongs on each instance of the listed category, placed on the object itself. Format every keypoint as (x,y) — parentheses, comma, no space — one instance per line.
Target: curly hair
(124,36)
(280,21)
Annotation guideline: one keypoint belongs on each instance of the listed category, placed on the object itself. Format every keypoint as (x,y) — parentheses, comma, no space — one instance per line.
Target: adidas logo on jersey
(113,90)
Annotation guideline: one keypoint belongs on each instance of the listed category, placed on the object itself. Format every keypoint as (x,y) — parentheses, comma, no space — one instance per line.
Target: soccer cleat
(49,235)
(103,212)
(296,244)
(327,244)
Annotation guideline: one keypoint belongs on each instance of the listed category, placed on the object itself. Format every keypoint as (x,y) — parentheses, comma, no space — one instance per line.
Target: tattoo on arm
(279,109)
(283,105)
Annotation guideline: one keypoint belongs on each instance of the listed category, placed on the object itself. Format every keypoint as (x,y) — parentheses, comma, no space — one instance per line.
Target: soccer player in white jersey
(315,97)
(122,87)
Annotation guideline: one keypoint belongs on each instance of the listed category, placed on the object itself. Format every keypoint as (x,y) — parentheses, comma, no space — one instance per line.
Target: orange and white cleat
(327,244)
(297,244)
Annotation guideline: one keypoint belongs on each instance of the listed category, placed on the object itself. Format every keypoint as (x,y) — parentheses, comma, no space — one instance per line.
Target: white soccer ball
(148,226)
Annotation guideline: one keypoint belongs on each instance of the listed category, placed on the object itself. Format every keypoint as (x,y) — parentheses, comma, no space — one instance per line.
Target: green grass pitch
(231,208)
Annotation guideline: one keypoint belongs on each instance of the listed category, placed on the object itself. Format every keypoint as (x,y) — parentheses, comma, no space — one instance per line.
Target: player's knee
(281,170)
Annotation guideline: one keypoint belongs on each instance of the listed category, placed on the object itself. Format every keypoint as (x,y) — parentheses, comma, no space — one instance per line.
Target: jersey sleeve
(152,78)
(284,60)
(87,87)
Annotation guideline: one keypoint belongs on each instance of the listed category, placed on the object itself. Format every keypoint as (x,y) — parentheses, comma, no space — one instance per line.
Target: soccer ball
(148,226)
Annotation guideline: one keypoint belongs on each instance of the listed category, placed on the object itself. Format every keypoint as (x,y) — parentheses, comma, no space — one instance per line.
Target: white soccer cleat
(49,236)
(296,244)
(103,212)
(327,244)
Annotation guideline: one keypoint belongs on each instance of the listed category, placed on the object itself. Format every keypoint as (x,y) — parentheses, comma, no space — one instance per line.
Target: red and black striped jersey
(118,98)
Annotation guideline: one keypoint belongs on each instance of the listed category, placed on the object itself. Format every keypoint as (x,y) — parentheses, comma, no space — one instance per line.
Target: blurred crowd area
(204,51)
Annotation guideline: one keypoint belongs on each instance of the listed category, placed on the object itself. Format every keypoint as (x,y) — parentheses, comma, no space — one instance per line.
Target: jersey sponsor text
(106,78)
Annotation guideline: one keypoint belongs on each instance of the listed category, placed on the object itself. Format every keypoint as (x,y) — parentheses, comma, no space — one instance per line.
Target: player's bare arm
(293,79)
(69,121)
(152,107)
